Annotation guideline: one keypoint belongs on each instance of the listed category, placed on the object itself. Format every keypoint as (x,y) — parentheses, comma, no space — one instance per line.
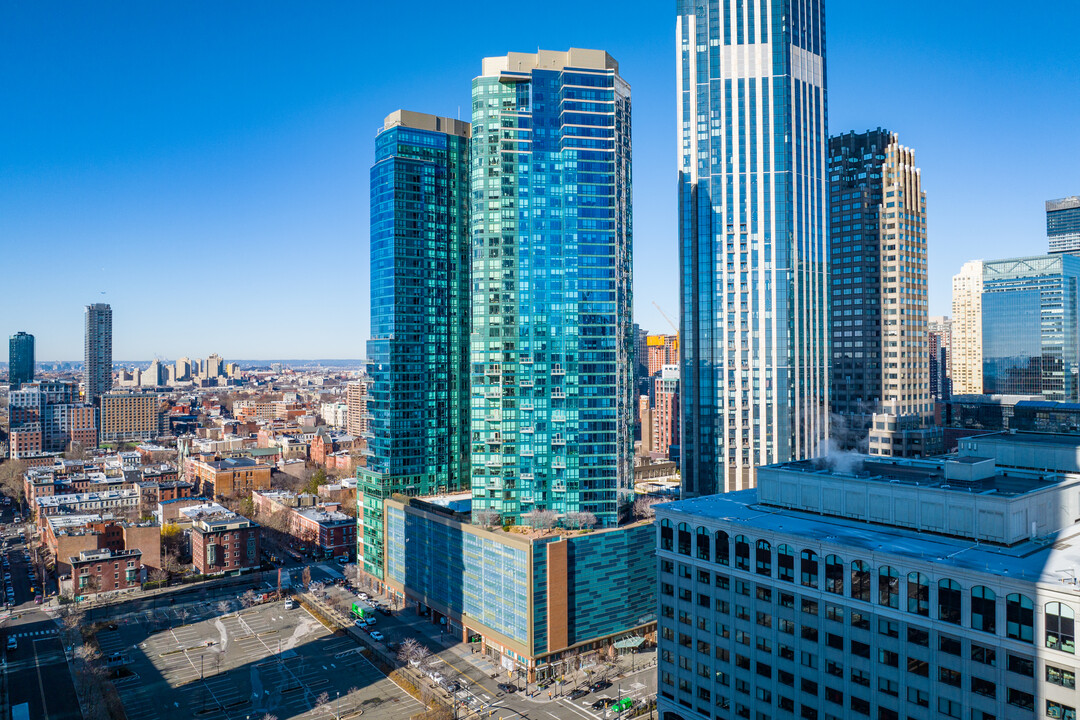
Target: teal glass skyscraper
(753,190)
(418,400)
(552,336)
(20,359)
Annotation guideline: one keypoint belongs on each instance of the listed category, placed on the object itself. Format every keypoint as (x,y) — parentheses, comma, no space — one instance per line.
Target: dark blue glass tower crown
(753,191)
(418,400)
(20,359)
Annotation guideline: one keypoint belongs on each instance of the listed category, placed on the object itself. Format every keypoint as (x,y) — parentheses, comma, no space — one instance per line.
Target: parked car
(290,603)
(376,636)
(12,643)
(599,685)
(578,694)
(508,688)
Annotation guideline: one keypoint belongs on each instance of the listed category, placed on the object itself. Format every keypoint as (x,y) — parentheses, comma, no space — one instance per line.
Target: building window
(860,581)
(949,598)
(1060,627)
(918,594)
(834,574)
(809,568)
(763,555)
(684,539)
(888,587)
(666,536)
(722,549)
(702,544)
(1019,617)
(1061,676)
(1057,711)
(742,552)
(785,563)
(983,609)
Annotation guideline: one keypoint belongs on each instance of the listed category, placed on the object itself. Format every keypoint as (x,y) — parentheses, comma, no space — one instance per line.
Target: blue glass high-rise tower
(753,193)
(20,359)
(418,400)
(552,339)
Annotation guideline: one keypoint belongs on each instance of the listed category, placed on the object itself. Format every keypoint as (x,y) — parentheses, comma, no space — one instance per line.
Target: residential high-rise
(878,279)
(665,413)
(1031,326)
(356,400)
(183,369)
(939,351)
(878,589)
(753,190)
(663,350)
(97,362)
(966,361)
(551,306)
(418,355)
(20,359)
(1063,224)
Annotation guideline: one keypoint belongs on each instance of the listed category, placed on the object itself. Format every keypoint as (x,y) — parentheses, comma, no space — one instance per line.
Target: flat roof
(1062,439)
(1048,560)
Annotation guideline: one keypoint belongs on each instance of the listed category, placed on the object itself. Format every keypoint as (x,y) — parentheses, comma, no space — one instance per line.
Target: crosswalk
(35,633)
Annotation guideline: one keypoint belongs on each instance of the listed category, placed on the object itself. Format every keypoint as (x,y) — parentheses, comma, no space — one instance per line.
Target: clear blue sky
(203,167)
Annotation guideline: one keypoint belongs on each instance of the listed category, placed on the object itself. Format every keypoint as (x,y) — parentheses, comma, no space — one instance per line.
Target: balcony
(557,370)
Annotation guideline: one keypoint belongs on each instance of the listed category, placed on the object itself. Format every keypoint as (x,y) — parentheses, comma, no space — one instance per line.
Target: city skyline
(150,178)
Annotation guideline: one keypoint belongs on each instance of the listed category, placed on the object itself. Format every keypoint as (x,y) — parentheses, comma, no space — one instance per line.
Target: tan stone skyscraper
(967,361)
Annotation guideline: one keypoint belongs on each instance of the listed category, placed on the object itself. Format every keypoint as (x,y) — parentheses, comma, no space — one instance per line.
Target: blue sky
(203,167)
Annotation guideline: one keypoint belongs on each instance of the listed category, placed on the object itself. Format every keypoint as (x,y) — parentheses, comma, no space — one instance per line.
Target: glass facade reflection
(552,335)
(418,352)
(753,193)
(1030,327)
(20,359)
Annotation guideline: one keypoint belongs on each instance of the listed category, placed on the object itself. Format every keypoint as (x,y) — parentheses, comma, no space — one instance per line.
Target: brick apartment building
(320,527)
(104,570)
(219,477)
(66,536)
(224,542)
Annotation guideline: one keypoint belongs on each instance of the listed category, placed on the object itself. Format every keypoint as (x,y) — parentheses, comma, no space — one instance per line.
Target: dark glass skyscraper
(418,399)
(878,284)
(552,340)
(753,192)
(97,361)
(20,359)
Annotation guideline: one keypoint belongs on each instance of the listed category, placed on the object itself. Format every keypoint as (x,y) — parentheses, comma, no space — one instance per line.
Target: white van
(290,603)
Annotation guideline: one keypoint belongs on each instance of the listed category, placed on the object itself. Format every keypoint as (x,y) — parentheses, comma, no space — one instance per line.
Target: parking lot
(214,660)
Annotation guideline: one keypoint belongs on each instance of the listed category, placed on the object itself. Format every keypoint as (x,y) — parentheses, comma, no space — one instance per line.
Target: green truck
(362,610)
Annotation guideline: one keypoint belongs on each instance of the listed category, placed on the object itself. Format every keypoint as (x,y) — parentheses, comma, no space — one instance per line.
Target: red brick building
(224,542)
(322,528)
(95,571)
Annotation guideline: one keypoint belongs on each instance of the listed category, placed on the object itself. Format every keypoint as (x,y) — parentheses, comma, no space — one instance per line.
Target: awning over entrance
(629,643)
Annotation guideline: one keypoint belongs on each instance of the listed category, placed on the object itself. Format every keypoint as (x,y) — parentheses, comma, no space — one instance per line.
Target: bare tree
(643,506)
(158,575)
(541,519)
(224,607)
(11,479)
(307,576)
(248,599)
(75,451)
(486,518)
(322,700)
(580,520)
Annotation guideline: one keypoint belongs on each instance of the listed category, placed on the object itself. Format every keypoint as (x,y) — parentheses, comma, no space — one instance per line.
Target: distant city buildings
(753,206)
(939,351)
(97,361)
(46,417)
(20,359)
(1063,224)
(665,414)
(878,280)
(967,337)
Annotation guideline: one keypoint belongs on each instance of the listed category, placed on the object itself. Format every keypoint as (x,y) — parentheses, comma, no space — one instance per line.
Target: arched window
(983,609)
(667,541)
(684,539)
(888,587)
(742,552)
(860,581)
(722,547)
(1019,617)
(834,574)
(763,555)
(948,601)
(785,563)
(918,594)
(702,544)
(809,567)
(1060,627)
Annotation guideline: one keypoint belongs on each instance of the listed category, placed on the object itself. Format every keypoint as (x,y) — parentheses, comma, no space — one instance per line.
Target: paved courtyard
(207,660)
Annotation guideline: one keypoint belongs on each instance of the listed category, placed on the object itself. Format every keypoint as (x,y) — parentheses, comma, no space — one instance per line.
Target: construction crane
(664,314)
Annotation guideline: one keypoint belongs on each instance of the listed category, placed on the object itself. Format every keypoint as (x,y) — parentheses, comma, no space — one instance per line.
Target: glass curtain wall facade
(418,398)
(552,342)
(1063,224)
(877,277)
(20,359)
(753,189)
(97,361)
(1031,327)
